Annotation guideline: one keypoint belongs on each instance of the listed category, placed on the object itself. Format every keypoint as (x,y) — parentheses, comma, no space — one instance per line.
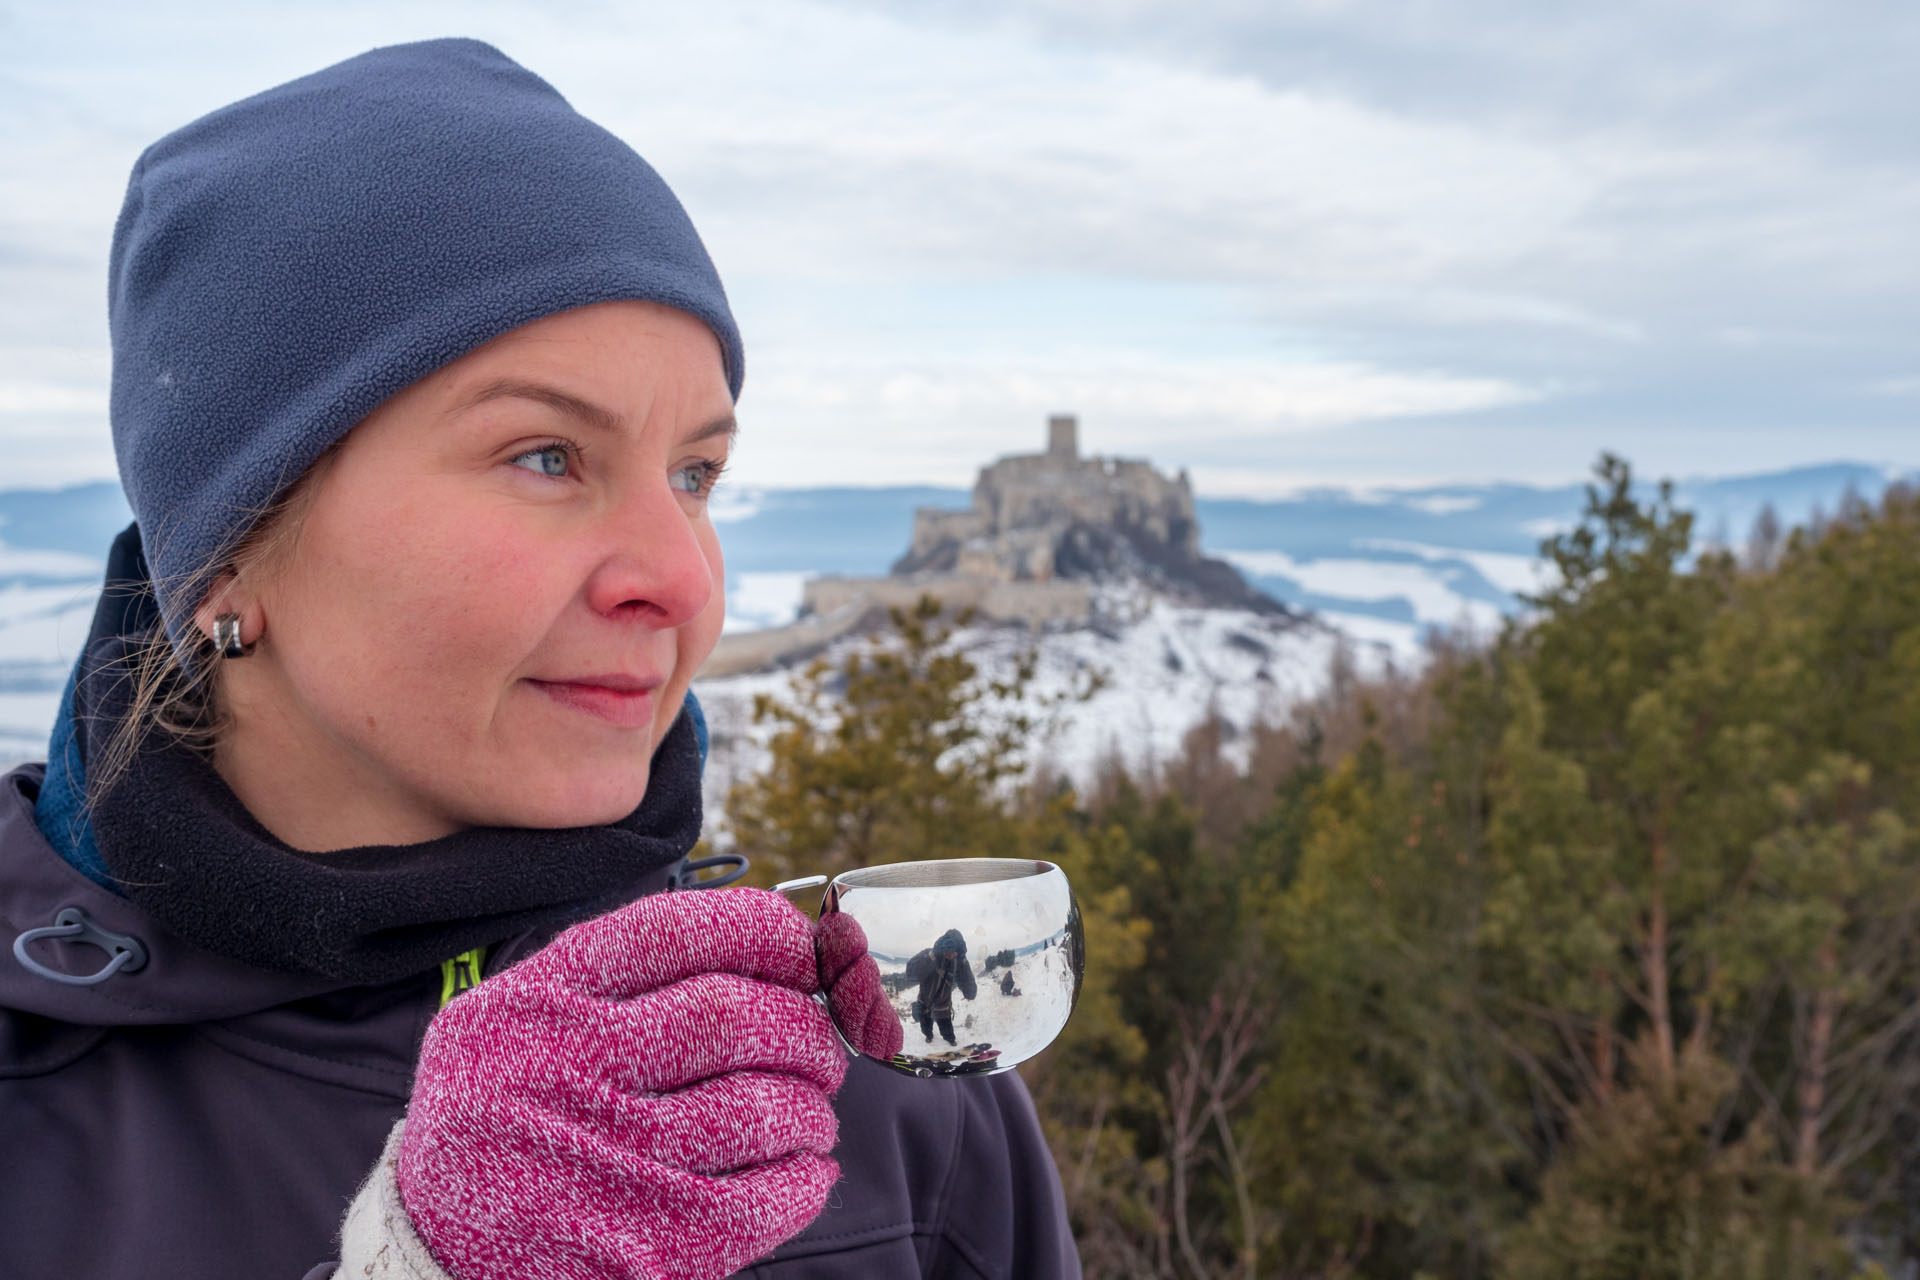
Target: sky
(1282,243)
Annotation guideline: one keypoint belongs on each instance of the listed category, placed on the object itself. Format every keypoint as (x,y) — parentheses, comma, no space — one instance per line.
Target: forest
(1585,950)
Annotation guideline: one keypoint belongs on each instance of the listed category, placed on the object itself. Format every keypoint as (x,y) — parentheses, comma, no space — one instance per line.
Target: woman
(421,382)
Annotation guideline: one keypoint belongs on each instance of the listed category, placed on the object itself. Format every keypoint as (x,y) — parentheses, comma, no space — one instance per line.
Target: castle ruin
(1042,530)
(1025,506)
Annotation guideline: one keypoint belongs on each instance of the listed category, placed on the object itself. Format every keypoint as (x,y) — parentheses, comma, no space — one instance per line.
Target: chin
(549,798)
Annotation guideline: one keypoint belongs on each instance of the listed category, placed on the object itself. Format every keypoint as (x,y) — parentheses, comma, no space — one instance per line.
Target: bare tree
(1212,1078)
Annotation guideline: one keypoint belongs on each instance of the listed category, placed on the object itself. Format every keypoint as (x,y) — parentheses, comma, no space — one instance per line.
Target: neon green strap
(460,973)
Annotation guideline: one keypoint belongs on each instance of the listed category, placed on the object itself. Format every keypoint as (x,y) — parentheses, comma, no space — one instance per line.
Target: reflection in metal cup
(980,959)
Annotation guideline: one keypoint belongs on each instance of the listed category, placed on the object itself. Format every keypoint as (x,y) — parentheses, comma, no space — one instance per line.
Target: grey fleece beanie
(283,265)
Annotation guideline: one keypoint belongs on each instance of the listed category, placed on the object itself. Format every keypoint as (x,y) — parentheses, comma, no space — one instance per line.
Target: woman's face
(504,580)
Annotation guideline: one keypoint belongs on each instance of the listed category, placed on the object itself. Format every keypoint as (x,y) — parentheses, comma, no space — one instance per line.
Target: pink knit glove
(647,1096)
(860,1005)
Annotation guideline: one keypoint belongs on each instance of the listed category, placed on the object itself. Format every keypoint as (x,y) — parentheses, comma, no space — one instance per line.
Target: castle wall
(1041,490)
(1032,603)
(935,525)
(757,650)
(1038,603)
(1022,555)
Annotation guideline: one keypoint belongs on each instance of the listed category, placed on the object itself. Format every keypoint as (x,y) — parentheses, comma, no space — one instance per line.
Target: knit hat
(285,264)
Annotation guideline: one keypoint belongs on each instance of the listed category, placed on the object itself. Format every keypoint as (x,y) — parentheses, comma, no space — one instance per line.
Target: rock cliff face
(1057,516)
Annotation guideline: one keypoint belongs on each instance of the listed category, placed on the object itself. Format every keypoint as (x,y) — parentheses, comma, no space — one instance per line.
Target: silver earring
(226,636)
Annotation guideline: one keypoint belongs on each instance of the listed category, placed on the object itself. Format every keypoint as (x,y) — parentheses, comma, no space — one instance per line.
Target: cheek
(699,636)
(715,614)
(418,642)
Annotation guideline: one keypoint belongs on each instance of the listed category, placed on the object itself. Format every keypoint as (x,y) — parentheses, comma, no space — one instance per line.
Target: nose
(655,569)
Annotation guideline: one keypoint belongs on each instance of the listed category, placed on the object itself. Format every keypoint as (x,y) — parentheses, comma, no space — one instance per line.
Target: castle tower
(1063,436)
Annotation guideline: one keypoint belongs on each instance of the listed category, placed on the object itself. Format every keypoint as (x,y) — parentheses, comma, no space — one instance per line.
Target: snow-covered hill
(1164,667)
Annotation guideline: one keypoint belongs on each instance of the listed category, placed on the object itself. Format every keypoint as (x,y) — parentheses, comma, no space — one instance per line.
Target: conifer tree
(902,752)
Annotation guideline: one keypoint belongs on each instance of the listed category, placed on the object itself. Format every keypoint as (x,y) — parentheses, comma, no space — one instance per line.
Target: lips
(624,701)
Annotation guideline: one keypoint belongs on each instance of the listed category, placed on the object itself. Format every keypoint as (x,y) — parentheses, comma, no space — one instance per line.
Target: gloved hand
(647,1096)
(852,980)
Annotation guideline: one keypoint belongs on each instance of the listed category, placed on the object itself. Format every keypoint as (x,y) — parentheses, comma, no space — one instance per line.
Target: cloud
(1269,239)
(1673,173)
(810,418)
(1719,69)
(49,398)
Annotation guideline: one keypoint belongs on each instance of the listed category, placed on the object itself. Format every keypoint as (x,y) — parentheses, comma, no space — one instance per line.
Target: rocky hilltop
(1059,517)
(1048,535)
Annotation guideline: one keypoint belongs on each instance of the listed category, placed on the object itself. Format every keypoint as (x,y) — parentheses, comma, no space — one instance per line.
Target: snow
(25,721)
(1428,591)
(16,562)
(1513,573)
(1446,504)
(1165,666)
(1018,1025)
(731,505)
(764,599)
(44,625)
(1401,639)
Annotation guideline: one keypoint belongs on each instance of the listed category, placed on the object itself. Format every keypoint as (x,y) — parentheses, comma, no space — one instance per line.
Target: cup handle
(795,886)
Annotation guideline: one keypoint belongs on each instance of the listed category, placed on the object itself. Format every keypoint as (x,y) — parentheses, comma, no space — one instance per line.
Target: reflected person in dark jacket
(938,970)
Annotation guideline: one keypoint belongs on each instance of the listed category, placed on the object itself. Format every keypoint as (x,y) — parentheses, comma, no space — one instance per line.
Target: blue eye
(547,460)
(697,477)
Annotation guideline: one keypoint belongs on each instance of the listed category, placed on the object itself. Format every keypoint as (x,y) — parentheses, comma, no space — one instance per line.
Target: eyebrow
(585,412)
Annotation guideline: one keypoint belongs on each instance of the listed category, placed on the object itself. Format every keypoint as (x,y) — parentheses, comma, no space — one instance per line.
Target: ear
(226,595)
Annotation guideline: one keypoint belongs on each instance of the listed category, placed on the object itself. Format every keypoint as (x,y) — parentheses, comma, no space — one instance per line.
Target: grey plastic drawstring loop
(686,872)
(128,953)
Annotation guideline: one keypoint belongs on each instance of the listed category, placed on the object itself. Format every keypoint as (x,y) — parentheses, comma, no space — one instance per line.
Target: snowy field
(1014,1024)
(1017,945)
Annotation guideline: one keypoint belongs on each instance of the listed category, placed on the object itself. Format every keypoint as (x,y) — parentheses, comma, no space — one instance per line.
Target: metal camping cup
(980,959)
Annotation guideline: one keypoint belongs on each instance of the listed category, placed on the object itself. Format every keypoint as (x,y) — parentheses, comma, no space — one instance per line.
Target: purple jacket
(202,1117)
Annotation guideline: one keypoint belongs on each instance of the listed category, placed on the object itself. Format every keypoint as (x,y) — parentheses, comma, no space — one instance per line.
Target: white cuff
(377,1240)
